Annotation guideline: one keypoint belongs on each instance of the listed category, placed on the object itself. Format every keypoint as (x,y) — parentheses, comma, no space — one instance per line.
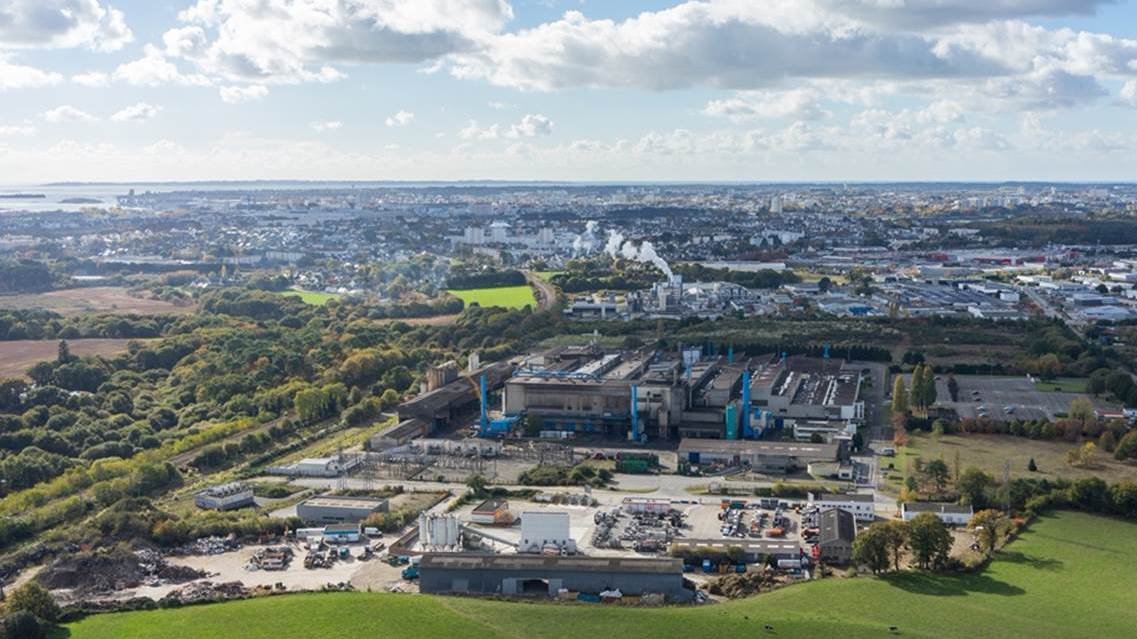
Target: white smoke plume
(648,254)
(612,247)
(645,254)
(584,243)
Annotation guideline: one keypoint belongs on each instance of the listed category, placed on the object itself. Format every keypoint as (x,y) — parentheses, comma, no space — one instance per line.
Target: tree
(1090,494)
(22,625)
(1108,441)
(33,598)
(476,484)
(929,540)
(916,390)
(64,352)
(1031,466)
(871,549)
(896,534)
(972,485)
(938,473)
(899,396)
(1127,447)
(1081,409)
(953,388)
(41,373)
(928,387)
(1123,497)
(988,526)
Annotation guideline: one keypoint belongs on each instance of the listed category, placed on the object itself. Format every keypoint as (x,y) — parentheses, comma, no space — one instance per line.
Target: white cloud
(800,103)
(474,131)
(923,14)
(139,112)
(531,125)
(301,41)
(1128,93)
(16,129)
(155,69)
(185,42)
(35,24)
(94,79)
(235,94)
(67,113)
(320,126)
(402,118)
(19,76)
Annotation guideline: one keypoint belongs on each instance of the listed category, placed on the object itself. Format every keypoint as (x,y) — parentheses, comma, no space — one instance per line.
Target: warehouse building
(950,514)
(861,506)
(225,497)
(769,457)
(328,509)
(544,576)
(492,512)
(837,528)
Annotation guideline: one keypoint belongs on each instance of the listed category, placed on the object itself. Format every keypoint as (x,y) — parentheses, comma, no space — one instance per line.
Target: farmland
(18,356)
(95,299)
(1065,577)
(504,297)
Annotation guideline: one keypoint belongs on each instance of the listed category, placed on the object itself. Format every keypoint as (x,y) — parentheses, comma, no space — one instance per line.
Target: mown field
(315,298)
(16,357)
(93,299)
(504,297)
(989,452)
(1071,575)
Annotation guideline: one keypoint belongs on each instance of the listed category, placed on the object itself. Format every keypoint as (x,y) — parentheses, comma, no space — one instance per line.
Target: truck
(410,573)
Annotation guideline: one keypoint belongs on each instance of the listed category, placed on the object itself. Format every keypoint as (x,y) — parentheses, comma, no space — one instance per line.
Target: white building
(541,530)
(862,506)
(225,497)
(950,514)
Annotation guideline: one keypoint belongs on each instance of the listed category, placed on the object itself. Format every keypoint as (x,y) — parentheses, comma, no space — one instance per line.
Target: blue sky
(531,89)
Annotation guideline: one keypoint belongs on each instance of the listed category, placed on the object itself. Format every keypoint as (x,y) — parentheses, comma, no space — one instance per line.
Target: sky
(616,90)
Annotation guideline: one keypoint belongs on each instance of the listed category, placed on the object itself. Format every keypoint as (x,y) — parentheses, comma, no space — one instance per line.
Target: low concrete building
(341,533)
(330,509)
(861,506)
(225,497)
(492,512)
(319,466)
(950,514)
(762,456)
(544,576)
(837,528)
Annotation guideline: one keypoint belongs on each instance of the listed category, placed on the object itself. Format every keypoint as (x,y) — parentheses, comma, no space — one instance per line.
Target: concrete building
(837,528)
(950,514)
(341,533)
(333,509)
(861,506)
(225,497)
(545,576)
(492,512)
(319,466)
(761,456)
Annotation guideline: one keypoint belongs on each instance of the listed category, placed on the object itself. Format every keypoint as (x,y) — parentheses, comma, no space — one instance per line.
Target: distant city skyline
(532,90)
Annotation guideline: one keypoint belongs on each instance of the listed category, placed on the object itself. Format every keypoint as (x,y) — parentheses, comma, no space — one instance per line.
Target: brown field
(17,357)
(437,320)
(96,299)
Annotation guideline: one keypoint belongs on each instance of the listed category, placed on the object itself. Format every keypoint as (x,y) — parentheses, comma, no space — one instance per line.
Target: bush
(23,625)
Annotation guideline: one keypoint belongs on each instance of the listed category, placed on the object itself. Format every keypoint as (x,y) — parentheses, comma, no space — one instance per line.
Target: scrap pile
(93,573)
(204,592)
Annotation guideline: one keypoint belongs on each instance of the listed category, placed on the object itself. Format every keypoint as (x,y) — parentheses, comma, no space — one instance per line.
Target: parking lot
(1005,398)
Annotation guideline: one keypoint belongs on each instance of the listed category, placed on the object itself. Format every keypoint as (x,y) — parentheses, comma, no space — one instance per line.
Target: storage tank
(438,531)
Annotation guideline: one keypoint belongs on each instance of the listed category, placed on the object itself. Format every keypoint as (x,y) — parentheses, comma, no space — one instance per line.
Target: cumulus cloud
(321,126)
(37,24)
(237,94)
(301,40)
(531,125)
(94,79)
(139,112)
(801,103)
(474,131)
(923,14)
(20,76)
(16,129)
(402,118)
(67,113)
(1128,93)
(155,69)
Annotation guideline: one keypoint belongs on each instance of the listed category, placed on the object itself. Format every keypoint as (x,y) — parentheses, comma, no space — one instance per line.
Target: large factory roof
(746,446)
(465,561)
(334,501)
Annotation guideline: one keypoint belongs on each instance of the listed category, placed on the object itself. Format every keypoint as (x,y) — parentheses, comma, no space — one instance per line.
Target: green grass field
(1064,385)
(505,297)
(1069,576)
(315,298)
(547,275)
